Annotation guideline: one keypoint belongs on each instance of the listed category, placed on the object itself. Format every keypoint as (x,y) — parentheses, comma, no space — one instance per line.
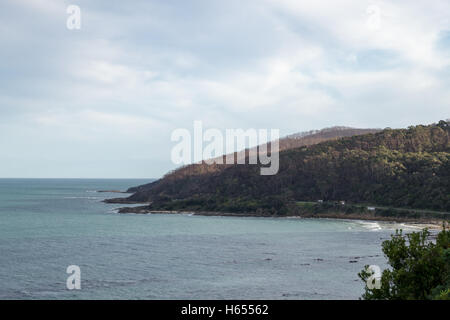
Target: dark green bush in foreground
(420,269)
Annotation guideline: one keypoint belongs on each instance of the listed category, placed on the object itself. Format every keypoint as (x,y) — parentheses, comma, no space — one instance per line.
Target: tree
(420,268)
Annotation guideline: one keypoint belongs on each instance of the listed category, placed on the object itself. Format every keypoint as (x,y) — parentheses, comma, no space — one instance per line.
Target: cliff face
(400,168)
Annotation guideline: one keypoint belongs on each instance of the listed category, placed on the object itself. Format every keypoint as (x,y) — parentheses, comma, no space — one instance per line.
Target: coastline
(409,222)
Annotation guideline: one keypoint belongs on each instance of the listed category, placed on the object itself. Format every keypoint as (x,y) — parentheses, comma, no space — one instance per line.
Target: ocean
(48,224)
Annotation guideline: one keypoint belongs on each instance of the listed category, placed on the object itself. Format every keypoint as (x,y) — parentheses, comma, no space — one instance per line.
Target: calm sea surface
(47,225)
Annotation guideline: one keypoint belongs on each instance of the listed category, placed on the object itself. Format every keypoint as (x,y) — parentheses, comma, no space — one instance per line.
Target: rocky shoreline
(420,223)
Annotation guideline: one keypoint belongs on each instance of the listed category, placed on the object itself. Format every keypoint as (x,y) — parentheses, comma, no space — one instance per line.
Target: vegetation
(311,209)
(403,168)
(290,142)
(420,269)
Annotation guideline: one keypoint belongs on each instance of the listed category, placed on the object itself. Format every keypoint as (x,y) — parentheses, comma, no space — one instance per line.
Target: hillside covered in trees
(296,140)
(402,168)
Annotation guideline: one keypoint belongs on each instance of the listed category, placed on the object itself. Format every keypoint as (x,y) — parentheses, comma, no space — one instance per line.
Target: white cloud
(92,125)
(133,73)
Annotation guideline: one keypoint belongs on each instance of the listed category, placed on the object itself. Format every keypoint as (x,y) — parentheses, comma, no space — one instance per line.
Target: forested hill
(290,142)
(400,168)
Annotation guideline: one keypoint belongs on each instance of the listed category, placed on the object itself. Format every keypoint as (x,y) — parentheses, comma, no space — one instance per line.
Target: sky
(102,101)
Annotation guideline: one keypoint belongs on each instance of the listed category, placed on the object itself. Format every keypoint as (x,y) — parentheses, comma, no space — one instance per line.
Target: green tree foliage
(406,168)
(420,268)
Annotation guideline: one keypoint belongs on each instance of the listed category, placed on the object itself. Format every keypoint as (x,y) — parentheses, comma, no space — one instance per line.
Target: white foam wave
(371,225)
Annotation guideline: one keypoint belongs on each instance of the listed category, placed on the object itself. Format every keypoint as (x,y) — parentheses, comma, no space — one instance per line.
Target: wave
(371,225)
(375,226)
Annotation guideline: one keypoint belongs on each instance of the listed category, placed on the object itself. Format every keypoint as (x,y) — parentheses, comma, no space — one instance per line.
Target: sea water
(47,225)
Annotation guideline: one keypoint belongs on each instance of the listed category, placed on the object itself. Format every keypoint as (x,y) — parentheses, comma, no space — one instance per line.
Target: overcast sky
(103,100)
